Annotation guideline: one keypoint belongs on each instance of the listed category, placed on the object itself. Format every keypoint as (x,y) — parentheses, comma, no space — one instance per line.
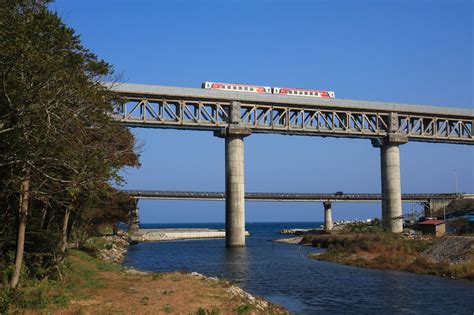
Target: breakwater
(154,235)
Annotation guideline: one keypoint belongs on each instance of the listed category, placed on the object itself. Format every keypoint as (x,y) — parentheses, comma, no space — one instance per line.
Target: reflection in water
(284,274)
(236,263)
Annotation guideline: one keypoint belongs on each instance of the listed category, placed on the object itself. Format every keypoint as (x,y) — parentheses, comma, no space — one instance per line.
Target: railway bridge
(236,115)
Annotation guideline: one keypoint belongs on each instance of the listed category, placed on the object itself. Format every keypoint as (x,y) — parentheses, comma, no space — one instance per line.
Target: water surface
(283,274)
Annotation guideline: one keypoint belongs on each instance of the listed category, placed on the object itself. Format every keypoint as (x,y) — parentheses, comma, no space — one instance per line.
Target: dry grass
(387,251)
(94,287)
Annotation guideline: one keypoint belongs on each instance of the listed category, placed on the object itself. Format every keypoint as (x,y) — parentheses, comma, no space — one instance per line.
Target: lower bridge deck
(291,197)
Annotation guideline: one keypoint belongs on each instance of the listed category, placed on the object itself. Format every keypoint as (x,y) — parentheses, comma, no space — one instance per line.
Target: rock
(450,249)
(115,248)
(132,271)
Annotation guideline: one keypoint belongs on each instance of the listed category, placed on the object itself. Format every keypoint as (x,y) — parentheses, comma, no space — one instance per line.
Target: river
(283,274)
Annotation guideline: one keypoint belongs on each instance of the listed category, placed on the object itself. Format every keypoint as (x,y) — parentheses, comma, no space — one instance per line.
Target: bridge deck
(184,92)
(200,109)
(295,197)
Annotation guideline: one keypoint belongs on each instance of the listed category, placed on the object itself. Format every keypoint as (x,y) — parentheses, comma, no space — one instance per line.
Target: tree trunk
(64,234)
(20,245)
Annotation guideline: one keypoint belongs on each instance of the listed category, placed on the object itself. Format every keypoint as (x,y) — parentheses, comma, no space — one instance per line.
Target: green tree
(57,141)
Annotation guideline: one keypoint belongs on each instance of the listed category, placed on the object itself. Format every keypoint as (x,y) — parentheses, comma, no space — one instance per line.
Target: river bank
(92,286)
(449,256)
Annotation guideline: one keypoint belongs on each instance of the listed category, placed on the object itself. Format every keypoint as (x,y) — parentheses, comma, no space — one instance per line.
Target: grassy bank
(395,252)
(95,287)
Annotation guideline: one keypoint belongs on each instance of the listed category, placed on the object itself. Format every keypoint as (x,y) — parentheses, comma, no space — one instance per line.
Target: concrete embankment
(153,235)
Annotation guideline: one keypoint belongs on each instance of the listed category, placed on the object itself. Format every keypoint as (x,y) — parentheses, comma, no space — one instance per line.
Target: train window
(251,89)
(228,87)
(246,88)
(240,88)
(305,93)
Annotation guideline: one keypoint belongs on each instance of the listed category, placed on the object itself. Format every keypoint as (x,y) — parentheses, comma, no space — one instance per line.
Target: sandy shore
(289,240)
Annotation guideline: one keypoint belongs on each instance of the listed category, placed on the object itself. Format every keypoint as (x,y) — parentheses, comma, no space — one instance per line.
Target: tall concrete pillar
(234,136)
(391,194)
(392,215)
(327,216)
(234,191)
(133,222)
(383,189)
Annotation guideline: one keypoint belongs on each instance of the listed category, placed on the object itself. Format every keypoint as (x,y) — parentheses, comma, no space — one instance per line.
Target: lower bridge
(430,201)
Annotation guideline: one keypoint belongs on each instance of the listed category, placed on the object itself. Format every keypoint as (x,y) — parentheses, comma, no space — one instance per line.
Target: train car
(237,87)
(303,92)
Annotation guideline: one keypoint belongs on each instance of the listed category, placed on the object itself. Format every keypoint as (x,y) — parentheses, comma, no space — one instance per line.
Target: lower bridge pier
(133,222)
(431,206)
(327,216)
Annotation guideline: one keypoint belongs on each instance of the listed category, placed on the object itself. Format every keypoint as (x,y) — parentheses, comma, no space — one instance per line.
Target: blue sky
(417,52)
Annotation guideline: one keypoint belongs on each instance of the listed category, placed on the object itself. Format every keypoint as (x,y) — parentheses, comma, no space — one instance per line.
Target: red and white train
(267,90)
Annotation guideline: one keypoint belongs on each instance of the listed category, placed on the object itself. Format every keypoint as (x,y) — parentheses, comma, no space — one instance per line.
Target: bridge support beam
(392,214)
(234,136)
(133,222)
(327,216)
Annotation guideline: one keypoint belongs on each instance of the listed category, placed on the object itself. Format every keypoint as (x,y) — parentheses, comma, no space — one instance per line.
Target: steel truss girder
(185,113)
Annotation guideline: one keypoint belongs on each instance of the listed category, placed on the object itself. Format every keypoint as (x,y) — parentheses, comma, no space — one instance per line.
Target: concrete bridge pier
(133,222)
(327,216)
(432,206)
(392,214)
(234,136)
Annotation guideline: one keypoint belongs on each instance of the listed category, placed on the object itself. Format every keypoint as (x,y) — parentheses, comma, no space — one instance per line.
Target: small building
(432,226)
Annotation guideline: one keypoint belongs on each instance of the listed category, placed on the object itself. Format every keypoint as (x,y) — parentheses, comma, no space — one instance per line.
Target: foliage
(55,136)
(363,227)
(202,311)
(462,225)
(244,309)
